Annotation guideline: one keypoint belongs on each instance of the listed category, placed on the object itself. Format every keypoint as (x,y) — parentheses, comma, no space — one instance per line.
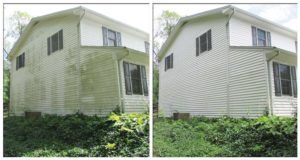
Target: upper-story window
(285,80)
(135,79)
(20,61)
(111,37)
(55,42)
(169,62)
(147,47)
(260,37)
(203,43)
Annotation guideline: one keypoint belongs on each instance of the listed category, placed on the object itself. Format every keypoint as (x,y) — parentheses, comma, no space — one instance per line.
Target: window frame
(255,38)
(142,77)
(60,41)
(200,42)
(169,62)
(292,81)
(20,61)
(109,38)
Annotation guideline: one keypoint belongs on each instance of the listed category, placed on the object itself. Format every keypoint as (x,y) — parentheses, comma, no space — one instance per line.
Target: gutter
(269,81)
(227,75)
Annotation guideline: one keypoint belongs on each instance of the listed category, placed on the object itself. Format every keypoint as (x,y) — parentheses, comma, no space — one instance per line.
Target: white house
(230,62)
(78,60)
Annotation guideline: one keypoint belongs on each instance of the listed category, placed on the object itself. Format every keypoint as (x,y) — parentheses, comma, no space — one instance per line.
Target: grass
(225,137)
(77,135)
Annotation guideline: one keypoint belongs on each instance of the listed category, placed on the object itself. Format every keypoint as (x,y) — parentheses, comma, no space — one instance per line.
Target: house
(228,62)
(78,60)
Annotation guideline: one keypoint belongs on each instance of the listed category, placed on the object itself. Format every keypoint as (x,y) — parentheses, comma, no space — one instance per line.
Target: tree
(6,83)
(16,24)
(166,22)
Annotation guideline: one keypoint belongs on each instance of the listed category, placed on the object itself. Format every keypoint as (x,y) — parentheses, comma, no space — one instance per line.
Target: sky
(284,14)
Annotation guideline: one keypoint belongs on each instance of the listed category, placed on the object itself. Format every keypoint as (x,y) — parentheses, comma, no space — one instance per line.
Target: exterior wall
(47,83)
(91,35)
(248,86)
(241,35)
(135,103)
(196,84)
(99,81)
(283,105)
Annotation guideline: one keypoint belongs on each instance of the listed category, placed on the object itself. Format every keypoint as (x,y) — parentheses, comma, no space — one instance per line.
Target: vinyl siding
(241,35)
(99,81)
(283,105)
(135,103)
(196,84)
(91,35)
(47,83)
(248,89)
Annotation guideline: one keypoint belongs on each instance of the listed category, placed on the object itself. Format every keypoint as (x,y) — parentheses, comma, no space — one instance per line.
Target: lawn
(77,135)
(225,137)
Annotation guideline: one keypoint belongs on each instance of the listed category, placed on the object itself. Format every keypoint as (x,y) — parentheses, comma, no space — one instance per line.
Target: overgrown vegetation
(203,137)
(77,136)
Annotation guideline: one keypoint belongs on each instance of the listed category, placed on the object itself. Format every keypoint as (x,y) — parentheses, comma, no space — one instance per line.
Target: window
(203,43)
(147,47)
(169,62)
(285,81)
(55,42)
(135,79)
(20,61)
(111,37)
(296,46)
(260,37)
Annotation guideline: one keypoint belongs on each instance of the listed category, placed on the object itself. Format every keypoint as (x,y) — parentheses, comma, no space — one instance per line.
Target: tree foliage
(6,83)
(17,23)
(166,23)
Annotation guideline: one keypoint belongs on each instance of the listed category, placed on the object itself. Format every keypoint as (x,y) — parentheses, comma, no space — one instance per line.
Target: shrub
(77,135)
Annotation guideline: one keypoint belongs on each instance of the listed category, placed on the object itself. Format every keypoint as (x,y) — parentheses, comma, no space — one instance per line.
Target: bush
(262,137)
(77,136)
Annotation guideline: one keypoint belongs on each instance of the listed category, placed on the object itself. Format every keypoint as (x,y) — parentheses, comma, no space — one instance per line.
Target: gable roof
(78,11)
(226,11)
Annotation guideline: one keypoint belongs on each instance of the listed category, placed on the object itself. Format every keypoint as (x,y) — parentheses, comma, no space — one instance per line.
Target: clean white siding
(91,35)
(196,84)
(283,105)
(247,83)
(135,103)
(47,83)
(241,35)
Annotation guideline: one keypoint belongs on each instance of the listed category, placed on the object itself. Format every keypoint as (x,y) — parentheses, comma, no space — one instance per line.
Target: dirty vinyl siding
(196,84)
(247,83)
(135,103)
(47,83)
(283,105)
(99,81)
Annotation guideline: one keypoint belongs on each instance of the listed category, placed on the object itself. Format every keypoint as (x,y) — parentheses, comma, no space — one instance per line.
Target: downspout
(270,100)
(78,62)
(120,90)
(227,75)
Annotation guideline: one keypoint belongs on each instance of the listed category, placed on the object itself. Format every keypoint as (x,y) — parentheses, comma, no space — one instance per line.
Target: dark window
(20,61)
(147,47)
(169,62)
(135,79)
(284,79)
(111,38)
(55,42)
(203,43)
(260,37)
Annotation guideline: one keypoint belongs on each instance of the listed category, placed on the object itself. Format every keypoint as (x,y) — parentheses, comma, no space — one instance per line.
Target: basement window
(203,43)
(55,42)
(20,61)
(169,62)
(285,81)
(135,79)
